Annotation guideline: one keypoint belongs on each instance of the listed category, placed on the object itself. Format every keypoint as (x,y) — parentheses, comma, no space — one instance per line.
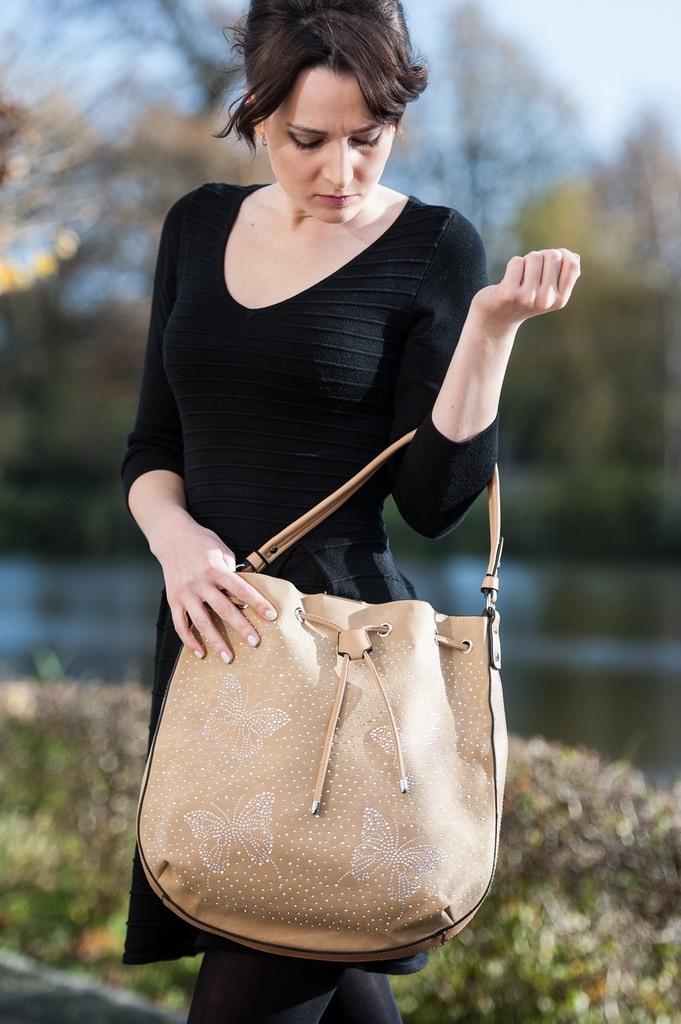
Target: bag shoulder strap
(261,558)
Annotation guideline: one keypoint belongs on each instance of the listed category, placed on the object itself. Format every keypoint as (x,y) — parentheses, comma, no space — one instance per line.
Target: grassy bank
(584,923)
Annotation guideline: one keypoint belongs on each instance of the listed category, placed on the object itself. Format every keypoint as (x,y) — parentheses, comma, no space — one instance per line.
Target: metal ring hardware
(385,629)
(463,646)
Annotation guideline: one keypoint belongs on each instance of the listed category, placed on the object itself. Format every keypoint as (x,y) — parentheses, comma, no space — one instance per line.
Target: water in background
(592,655)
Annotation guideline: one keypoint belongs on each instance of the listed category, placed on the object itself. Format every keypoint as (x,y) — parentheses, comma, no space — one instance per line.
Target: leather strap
(260,559)
(490,584)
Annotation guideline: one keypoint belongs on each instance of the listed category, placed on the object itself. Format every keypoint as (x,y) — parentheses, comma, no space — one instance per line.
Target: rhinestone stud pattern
(225,829)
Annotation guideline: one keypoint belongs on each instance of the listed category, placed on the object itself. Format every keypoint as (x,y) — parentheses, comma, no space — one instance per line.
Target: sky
(615,58)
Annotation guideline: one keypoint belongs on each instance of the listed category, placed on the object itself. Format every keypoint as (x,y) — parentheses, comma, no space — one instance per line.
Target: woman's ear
(259,127)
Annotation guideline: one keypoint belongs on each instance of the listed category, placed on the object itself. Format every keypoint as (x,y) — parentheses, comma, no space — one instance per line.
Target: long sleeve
(436,480)
(264,411)
(156,439)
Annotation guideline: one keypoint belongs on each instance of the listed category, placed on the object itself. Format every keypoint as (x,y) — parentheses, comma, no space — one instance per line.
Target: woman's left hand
(537,283)
(469,397)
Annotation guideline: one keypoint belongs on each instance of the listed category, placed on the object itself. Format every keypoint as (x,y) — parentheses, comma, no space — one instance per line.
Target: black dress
(263,412)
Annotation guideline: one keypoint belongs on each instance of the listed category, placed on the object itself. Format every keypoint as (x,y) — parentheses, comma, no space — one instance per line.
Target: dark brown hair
(367,38)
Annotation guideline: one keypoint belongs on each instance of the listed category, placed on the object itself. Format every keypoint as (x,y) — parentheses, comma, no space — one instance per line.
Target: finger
(199,612)
(246,594)
(533,266)
(228,579)
(515,269)
(561,268)
(540,292)
(185,633)
(570,269)
(230,613)
(548,295)
(552,261)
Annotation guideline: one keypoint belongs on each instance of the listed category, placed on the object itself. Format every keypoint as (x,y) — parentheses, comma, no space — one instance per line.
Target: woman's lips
(336,200)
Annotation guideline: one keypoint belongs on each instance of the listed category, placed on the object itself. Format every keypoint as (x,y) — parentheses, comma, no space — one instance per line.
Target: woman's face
(326,150)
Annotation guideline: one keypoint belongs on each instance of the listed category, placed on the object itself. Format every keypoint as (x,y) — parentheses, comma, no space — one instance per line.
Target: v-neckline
(254,310)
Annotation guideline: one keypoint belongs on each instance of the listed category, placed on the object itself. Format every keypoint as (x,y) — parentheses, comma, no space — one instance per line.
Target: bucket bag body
(336,792)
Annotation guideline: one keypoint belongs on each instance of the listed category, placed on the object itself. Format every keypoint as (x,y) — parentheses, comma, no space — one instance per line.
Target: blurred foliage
(592,412)
(70,769)
(591,409)
(591,415)
(42,150)
(507,130)
(583,925)
(584,920)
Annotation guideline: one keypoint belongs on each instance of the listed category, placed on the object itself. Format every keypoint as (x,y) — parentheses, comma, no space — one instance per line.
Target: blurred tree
(89,164)
(46,200)
(71,349)
(101,62)
(104,158)
(500,133)
(590,403)
(10,121)
(115,55)
(644,187)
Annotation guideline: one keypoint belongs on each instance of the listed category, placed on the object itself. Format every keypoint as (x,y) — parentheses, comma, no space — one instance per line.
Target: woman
(297,329)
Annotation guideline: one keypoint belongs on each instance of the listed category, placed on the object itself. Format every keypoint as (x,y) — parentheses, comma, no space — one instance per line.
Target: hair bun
(367,38)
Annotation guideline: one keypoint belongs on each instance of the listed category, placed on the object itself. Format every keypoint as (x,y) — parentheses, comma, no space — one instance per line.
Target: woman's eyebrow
(316,131)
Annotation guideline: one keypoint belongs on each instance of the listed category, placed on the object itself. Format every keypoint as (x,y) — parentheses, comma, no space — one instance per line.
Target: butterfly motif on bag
(247,834)
(380,852)
(419,748)
(247,727)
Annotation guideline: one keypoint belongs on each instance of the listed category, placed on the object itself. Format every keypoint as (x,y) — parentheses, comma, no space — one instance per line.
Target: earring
(264,141)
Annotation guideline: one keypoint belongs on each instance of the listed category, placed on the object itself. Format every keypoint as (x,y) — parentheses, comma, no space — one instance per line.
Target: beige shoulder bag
(336,792)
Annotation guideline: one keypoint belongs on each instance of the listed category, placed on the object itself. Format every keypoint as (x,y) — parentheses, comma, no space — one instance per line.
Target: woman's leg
(237,988)
(362,998)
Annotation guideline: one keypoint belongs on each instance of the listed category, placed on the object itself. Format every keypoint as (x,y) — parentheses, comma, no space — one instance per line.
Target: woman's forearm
(470,393)
(534,284)
(158,505)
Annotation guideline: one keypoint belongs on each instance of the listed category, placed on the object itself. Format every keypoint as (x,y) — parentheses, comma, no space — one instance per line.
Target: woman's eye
(368,143)
(358,143)
(305,145)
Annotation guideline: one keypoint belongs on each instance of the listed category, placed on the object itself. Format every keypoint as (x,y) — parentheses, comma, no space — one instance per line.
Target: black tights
(236,988)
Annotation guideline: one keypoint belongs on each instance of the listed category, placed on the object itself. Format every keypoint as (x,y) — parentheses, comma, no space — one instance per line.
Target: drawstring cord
(330,732)
(355,645)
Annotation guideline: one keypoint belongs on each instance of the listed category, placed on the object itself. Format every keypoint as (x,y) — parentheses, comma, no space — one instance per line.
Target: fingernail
(252,640)
(199,654)
(271,616)
(226,657)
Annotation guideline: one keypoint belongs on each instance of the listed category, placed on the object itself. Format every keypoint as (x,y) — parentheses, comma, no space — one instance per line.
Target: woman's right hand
(200,577)
(199,569)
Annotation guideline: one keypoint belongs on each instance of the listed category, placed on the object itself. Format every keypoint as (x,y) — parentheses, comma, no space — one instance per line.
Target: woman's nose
(339,166)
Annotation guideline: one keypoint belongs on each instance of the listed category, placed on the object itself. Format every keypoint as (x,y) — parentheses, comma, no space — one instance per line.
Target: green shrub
(583,924)
(71,759)
(584,921)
